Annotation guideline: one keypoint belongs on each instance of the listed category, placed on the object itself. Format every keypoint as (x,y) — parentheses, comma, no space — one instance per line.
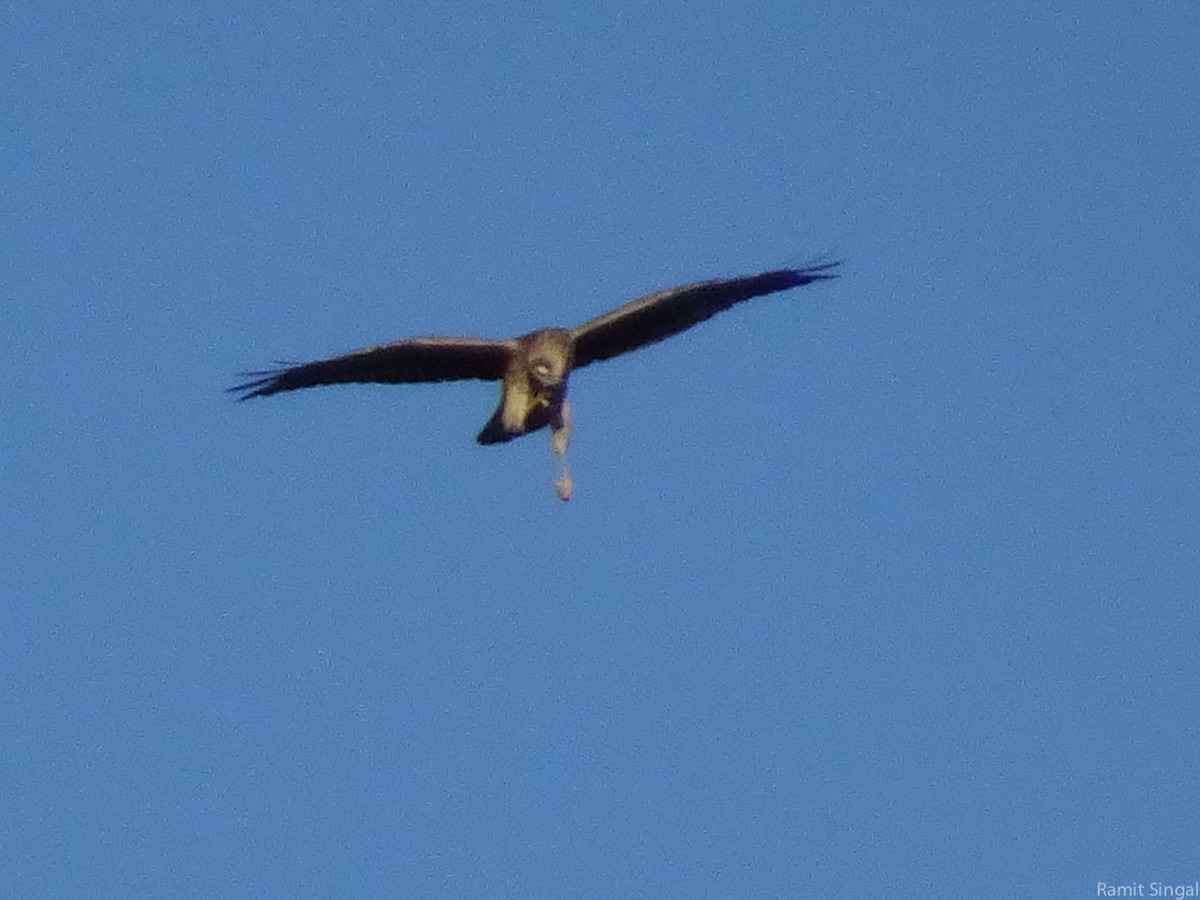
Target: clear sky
(884,587)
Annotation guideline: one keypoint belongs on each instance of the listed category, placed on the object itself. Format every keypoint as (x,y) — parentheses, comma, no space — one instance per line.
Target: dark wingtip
(816,271)
(786,279)
(261,384)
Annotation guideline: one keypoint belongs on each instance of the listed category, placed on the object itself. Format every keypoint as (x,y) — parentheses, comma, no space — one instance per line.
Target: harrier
(533,369)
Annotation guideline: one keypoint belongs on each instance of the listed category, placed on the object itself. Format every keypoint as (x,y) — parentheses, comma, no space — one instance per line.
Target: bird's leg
(560,437)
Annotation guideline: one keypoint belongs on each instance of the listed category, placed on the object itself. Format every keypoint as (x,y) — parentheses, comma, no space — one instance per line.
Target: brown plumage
(534,369)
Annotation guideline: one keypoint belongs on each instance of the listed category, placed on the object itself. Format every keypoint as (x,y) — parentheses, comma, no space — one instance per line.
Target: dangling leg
(560,437)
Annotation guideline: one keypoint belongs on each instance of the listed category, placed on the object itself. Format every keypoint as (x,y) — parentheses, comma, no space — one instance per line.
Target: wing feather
(420,359)
(658,316)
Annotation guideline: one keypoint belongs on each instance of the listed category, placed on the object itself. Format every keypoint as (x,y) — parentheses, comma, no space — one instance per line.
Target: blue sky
(882,587)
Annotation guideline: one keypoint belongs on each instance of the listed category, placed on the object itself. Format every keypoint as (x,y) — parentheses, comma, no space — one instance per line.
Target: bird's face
(548,360)
(547,371)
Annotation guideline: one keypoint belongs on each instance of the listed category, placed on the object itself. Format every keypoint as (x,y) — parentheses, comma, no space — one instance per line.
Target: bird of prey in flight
(533,369)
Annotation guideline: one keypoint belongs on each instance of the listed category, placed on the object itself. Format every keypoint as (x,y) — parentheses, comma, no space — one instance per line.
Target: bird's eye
(541,369)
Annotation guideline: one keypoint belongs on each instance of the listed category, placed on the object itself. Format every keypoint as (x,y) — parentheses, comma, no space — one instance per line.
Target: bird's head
(547,372)
(548,360)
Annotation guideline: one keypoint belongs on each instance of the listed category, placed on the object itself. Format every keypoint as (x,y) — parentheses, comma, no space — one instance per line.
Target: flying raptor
(533,369)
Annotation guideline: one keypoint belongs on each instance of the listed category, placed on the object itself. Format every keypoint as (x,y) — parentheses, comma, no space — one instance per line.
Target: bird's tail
(494,431)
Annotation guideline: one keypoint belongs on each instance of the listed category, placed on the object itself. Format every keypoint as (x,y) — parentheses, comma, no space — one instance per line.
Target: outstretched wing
(658,316)
(421,359)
